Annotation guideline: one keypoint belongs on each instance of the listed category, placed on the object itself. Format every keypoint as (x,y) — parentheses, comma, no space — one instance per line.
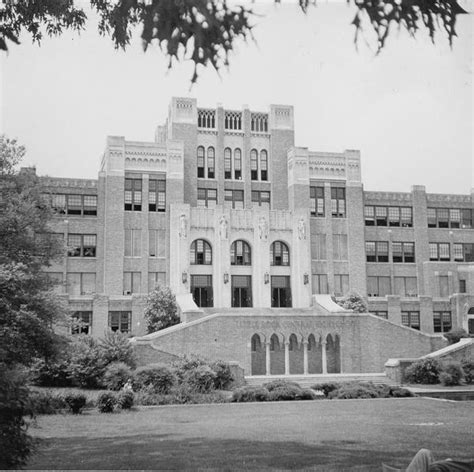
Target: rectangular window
(411,319)
(338,202)
(261,198)
(376,251)
(156,279)
(156,243)
(74,205)
(403,252)
(80,283)
(431,214)
(320,283)
(133,194)
(339,247)
(439,252)
(58,202)
(318,247)
(200,162)
(388,216)
(463,252)
(207,197)
(211,163)
(443,283)
(381,216)
(406,286)
(450,218)
(120,321)
(381,314)
(133,242)
(237,164)
(81,322)
(442,321)
(316,197)
(467,217)
(234,199)
(378,286)
(157,195)
(81,245)
(462,286)
(227,163)
(264,165)
(201,289)
(132,282)
(369,214)
(341,284)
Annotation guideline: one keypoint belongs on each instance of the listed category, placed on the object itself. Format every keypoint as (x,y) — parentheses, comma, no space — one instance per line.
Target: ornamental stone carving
(301,229)
(183,226)
(223,227)
(263,228)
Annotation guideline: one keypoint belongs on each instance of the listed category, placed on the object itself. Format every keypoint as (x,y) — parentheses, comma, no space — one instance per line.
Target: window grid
(259,122)
(279,254)
(79,205)
(120,321)
(450,218)
(234,199)
(403,252)
(442,322)
(316,197)
(338,202)
(227,163)
(232,120)
(320,284)
(376,251)
(253,164)
(81,322)
(261,198)
(133,194)
(341,284)
(207,197)
(133,243)
(439,252)
(406,286)
(200,253)
(206,118)
(463,252)
(376,215)
(132,282)
(378,286)
(240,253)
(157,195)
(411,319)
(82,245)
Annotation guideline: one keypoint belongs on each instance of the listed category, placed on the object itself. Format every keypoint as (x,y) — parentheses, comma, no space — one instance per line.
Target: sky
(409,110)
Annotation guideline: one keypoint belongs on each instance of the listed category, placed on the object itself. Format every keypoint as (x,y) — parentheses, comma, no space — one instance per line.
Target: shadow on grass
(162,452)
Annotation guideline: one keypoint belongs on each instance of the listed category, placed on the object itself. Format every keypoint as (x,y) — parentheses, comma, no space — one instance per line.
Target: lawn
(318,435)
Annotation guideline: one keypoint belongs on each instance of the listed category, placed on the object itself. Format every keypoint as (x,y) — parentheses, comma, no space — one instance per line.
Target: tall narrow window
(200,162)
(279,254)
(339,247)
(237,164)
(442,321)
(318,247)
(263,165)
(157,195)
(240,253)
(133,194)
(201,289)
(253,164)
(156,243)
(133,242)
(227,163)
(211,171)
(316,196)
(338,202)
(320,284)
(341,284)
(132,282)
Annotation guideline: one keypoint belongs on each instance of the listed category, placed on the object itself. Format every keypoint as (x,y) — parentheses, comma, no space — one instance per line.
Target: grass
(318,435)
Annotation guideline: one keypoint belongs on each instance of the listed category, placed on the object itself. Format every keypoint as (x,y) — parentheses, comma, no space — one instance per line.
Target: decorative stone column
(324,357)
(287,358)
(267,358)
(305,357)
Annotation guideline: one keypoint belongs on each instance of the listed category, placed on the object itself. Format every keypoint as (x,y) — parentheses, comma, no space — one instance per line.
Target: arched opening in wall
(470,320)
(296,355)
(277,356)
(315,359)
(333,354)
(258,355)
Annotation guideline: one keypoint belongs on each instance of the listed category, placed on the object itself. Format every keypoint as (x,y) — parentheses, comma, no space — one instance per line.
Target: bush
(353,301)
(350,391)
(224,377)
(308,394)
(54,373)
(274,384)
(42,402)
(399,392)
(147,396)
(468,368)
(76,402)
(455,335)
(326,388)
(125,400)
(424,371)
(117,375)
(451,374)
(159,378)
(187,363)
(161,310)
(200,379)
(250,394)
(285,392)
(116,347)
(106,402)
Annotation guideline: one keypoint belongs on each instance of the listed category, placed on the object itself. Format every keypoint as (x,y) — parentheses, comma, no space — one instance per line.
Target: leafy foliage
(452,373)
(106,402)
(161,310)
(455,335)
(45,402)
(200,379)
(224,377)
(279,383)
(424,371)
(115,347)
(468,368)
(157,378)
(250,394)
(205,31)
(76,402)
(353,301)
(116,375)
(125,400)
(51,373)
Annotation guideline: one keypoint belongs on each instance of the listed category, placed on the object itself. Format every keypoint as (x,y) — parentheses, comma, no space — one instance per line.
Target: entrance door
(470,325)
(201,288)
(281,291)
(241,291)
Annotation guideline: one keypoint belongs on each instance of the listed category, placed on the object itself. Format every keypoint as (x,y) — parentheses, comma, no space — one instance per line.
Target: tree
(204,31)
(353,301)
(161,310)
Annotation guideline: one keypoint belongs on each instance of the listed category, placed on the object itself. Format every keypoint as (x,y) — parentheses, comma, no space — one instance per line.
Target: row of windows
(450,218)
(156,195)
(207,197)
(233,120)
(388,216)
(81,245)
(461,252)
(320,284)
(338,201)
(80,205)
(377,251)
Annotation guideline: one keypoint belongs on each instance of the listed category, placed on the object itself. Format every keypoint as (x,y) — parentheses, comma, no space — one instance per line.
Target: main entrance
(241,291)
(201,288)
(281,291)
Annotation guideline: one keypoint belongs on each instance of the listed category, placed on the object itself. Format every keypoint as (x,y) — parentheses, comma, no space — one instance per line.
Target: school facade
(224,206)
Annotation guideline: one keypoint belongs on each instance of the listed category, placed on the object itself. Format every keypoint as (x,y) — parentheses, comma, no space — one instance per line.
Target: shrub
(250,394)
(117,375)
(54,373)
(350,391)
(326,388)
(353,301)
(161,310)
(147,396)
(43,402)
(399,392)
(424,371)
(452,373)
(455,335)
(468,368)
(308,394)
(76,402)
(106,402)
(274,384)
(116,347)
(285,392)
(187,363)
(159,378)
(200,379)
(224,377)
(125,400)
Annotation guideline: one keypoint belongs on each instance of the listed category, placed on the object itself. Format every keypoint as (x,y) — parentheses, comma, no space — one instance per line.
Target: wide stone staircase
(313,379)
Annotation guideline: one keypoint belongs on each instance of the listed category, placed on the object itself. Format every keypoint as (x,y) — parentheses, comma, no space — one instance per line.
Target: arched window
(256,343)
(263,165)
(279,254)
(211,168)
(293,343)
(227,163)
(237,164)
(200,252)
(240,253)
(274,343)
(200,162)
(254,164)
